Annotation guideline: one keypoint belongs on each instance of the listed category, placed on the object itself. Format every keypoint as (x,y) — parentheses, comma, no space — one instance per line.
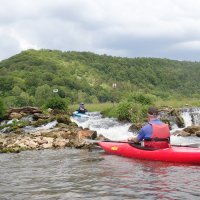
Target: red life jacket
(160,137)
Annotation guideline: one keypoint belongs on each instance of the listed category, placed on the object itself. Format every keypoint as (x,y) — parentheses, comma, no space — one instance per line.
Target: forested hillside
(29,78)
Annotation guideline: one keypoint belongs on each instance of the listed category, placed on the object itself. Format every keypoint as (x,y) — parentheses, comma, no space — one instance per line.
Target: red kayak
(172,154)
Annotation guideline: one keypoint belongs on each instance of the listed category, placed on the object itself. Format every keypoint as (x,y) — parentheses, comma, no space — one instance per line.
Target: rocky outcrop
(198,133)
(171,116)
(181,133)
(65,134)
(26,110)
(17,113)
(193,130)
(59,137)
(188,131)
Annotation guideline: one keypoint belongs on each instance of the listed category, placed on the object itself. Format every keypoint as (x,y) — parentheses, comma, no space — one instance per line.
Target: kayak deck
(77,114)
(172,154)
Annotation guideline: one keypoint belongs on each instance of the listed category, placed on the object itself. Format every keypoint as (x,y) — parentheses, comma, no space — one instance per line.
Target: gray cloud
(131,28)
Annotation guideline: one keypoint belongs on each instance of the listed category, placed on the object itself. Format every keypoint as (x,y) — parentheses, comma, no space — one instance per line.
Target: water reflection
(71,173)
(155,180)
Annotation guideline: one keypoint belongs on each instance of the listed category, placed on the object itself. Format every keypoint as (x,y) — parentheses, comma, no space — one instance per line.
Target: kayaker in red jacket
(155,134)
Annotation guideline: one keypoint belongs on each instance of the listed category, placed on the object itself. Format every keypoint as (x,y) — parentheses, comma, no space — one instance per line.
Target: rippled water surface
(80,174)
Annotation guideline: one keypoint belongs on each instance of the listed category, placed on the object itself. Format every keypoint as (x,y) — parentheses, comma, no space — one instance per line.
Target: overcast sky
(127,28)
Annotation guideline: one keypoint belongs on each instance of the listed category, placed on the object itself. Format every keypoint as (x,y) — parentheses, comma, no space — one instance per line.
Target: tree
(6,83)
(56,103)
(24,100)
(16,91)
(2,108)
(42,94)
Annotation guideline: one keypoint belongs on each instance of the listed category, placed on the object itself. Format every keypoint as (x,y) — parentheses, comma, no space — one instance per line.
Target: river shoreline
(29,128)
(64,133)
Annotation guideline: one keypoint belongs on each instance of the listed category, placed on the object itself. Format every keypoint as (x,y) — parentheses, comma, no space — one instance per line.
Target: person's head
(152,113)
(81,104)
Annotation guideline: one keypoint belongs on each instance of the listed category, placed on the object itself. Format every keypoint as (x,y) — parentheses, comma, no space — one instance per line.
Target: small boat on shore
(176,154)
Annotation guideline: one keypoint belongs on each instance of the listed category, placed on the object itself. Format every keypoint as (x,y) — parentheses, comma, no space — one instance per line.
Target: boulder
(63,119)
(198,133)
(87,134)
(31,144)
(27,110)
(181,133)
(60,142)
(48,144)
(14,115)
(192,129)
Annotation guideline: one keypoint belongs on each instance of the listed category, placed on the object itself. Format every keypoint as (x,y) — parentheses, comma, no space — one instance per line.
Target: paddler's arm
(137,138)
(133,139)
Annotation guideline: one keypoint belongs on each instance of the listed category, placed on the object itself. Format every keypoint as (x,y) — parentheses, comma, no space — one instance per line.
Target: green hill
(29,78)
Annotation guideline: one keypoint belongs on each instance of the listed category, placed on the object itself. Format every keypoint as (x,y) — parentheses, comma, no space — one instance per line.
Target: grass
(178,103)
(94,107)
(108,108)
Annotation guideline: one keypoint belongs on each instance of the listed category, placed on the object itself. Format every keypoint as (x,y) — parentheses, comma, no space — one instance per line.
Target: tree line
(30,77)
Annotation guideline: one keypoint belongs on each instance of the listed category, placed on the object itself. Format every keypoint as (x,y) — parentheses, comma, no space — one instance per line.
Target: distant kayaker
(155,134)
(82,108)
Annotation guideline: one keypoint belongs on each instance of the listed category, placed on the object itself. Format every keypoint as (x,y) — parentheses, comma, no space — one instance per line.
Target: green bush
(56,103)
(123,111)
(110,112)
(144,99)
(2,108)
(138,113)
(131,111)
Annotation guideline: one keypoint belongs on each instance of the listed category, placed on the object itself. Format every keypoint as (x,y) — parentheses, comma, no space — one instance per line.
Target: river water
(82,174)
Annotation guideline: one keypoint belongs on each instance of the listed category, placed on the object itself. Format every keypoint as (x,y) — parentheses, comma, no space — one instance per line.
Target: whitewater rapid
(115,130)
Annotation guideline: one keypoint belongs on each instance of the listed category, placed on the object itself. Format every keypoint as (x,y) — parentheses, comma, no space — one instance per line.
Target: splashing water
(191,116)
(108,127)
(115,130)
(47,126)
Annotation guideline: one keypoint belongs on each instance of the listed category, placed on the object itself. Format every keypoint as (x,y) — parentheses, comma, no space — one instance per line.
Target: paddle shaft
(129,142)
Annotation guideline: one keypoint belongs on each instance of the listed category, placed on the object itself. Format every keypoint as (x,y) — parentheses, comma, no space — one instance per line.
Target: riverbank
(59,137)
(30,128)
(19,132)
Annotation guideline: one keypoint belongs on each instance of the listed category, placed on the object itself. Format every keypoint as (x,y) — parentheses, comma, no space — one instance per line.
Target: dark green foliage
(110,112)
(124,111)
(131,111)
(2,109)
(139,113)
(6,83)
(141,98)
(56,103)
(134,108)
(83,76)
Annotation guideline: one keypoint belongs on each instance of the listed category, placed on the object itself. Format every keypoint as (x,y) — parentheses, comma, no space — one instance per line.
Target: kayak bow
(77,114)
